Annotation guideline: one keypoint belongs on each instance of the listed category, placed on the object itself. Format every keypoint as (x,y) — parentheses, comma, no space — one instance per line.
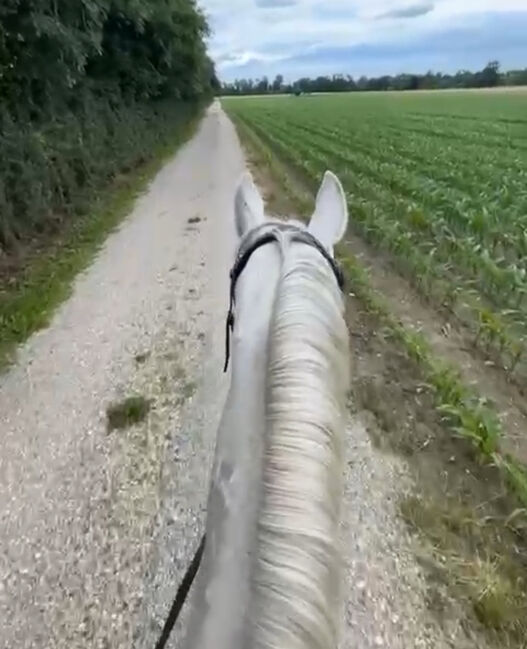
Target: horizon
(310,38)
(330,75)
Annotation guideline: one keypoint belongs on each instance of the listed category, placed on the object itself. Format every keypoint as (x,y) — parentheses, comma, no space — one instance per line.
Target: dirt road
(97,527)
(78,505)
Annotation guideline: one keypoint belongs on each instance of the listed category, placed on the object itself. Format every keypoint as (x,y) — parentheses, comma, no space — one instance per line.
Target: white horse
(269,578)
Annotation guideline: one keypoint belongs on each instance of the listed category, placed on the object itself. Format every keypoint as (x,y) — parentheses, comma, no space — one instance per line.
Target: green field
(439,180)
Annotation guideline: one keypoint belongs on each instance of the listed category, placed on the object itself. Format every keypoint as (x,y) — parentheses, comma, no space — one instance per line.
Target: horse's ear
(330,219)
(248,205)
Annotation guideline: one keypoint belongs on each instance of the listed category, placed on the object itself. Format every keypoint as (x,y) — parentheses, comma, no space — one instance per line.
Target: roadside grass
(29,298)
(470,503)
(469,508)
(467,414)
(468,553)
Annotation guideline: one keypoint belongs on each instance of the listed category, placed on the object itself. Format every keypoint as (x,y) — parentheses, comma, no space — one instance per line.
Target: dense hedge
(50,171)
(88,89)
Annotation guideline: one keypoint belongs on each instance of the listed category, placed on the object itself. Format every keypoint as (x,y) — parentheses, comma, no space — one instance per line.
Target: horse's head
(258,266)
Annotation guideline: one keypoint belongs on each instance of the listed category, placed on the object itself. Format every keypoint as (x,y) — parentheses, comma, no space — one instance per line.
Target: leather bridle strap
(238,268)
(245,253)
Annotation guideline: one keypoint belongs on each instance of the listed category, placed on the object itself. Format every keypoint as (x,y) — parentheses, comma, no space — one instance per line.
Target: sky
(253,38)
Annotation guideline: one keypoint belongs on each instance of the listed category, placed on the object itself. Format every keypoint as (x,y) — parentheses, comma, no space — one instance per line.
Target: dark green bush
(89,89)
(50,171)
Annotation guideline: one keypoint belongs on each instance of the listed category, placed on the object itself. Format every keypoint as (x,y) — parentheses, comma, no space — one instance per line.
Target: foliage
(88,88)
(489,77)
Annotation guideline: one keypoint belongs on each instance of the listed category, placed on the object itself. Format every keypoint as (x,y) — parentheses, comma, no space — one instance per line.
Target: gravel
(79,507)
(97,528)
(386,593)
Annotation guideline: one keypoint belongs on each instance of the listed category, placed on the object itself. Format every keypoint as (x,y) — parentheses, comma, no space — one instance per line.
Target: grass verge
(466,413)
(471,529)
(28,300)
(467,551)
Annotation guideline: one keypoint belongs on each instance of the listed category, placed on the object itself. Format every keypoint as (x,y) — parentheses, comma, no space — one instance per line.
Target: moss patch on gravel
(126,413)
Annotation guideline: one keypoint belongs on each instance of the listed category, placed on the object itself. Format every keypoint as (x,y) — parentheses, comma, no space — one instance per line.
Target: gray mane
(295,577)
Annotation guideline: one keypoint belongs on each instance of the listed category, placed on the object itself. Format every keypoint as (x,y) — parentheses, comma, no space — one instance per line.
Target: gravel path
(96,528)
(78,505)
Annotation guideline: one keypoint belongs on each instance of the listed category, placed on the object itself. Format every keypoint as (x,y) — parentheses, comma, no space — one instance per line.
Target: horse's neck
(309,310)
(222,593)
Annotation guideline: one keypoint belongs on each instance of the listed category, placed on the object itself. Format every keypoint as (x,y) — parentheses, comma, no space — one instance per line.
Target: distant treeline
(89,88)
(489,77)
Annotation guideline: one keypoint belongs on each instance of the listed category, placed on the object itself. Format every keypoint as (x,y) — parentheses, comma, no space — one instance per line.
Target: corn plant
(447,198)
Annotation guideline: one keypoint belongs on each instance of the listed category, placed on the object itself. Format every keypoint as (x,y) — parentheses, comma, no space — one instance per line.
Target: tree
(262,86)
(83,85)
(44,48)
(489,77)
(277,83)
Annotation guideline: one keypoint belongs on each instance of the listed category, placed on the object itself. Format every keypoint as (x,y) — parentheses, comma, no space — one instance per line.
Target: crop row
(431,220)
(432,233)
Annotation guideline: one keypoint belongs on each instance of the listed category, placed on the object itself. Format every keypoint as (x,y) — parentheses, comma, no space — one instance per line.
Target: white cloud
(237,59)
(267,31)
(275,4)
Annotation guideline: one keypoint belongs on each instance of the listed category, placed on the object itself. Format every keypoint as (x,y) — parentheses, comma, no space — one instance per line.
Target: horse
(269,576)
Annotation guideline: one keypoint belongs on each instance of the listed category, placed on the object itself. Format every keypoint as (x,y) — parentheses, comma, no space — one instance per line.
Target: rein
(248,246)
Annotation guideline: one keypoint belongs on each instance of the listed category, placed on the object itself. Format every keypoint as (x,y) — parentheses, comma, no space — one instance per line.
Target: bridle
(255,240)
(271,232)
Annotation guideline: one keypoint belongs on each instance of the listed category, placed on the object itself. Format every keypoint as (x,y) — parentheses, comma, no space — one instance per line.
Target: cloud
(240,59)
(275,4)
(410,11)
(331,36)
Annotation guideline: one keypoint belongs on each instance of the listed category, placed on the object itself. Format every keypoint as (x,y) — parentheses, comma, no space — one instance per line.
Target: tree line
(489,77)
(89,88)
